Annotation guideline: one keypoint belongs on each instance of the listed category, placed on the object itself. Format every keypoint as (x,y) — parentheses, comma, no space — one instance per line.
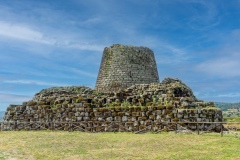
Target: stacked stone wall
(124,66)
(110,119)
(142,106)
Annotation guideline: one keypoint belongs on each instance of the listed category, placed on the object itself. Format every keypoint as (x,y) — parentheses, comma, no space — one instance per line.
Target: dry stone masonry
(123,66)
(142,106)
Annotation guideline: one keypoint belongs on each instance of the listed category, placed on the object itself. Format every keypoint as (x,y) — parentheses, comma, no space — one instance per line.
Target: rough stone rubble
(132,109)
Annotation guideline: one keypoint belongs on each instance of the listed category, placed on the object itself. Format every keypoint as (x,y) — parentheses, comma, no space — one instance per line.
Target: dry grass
(79,145)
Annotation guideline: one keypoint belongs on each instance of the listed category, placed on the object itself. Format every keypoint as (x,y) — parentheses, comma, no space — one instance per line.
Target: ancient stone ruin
(123,66)
(135,105)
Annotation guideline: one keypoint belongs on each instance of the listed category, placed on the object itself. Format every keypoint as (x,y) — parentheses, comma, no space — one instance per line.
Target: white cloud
(224,60)
(205,14)
(231,95)
(41,30)
(13,98)
(12,31)
(167,53)
(70,69)
(220,67)
(21,32)
(88,22)
(87,46)
(34,82)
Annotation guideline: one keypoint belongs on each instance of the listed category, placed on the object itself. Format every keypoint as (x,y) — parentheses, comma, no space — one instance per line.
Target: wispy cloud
(220,67)
(228,96)
(34,82)
(231,95)
(21,32)
(169,54)
(86,46)
(11,31)
(13,98)
(204,14)
(223,61)
(81,72)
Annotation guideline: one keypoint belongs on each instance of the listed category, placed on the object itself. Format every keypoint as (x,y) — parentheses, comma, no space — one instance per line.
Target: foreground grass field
(79,145)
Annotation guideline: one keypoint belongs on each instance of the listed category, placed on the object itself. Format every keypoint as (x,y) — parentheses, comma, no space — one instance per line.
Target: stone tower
(123,66)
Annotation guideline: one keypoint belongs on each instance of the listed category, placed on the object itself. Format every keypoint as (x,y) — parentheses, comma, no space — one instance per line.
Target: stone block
(199,119)
(79,118)
(203,115)
(179,115)
(136,123)
(109,119)
(124,118)
(134,119)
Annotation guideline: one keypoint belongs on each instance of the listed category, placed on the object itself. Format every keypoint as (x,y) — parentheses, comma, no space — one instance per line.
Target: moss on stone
(31,103)
(175,119)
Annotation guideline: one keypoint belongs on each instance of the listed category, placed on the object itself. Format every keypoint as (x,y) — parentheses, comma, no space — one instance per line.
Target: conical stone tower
(123,66)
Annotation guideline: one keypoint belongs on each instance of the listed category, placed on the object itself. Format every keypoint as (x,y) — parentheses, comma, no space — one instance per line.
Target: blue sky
(57,43)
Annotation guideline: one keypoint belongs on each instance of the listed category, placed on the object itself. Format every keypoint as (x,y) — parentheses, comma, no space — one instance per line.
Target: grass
(80,145)
(234,122)
(232,119)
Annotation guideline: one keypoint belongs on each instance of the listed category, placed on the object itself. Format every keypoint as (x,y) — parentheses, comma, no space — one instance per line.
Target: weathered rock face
(132,109)
(123,66)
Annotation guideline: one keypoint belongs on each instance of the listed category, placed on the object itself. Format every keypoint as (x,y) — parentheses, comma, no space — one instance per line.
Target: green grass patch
(231,119)
(79,145)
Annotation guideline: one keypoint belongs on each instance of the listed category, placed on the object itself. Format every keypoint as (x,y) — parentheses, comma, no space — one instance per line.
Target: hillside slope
(225,106)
